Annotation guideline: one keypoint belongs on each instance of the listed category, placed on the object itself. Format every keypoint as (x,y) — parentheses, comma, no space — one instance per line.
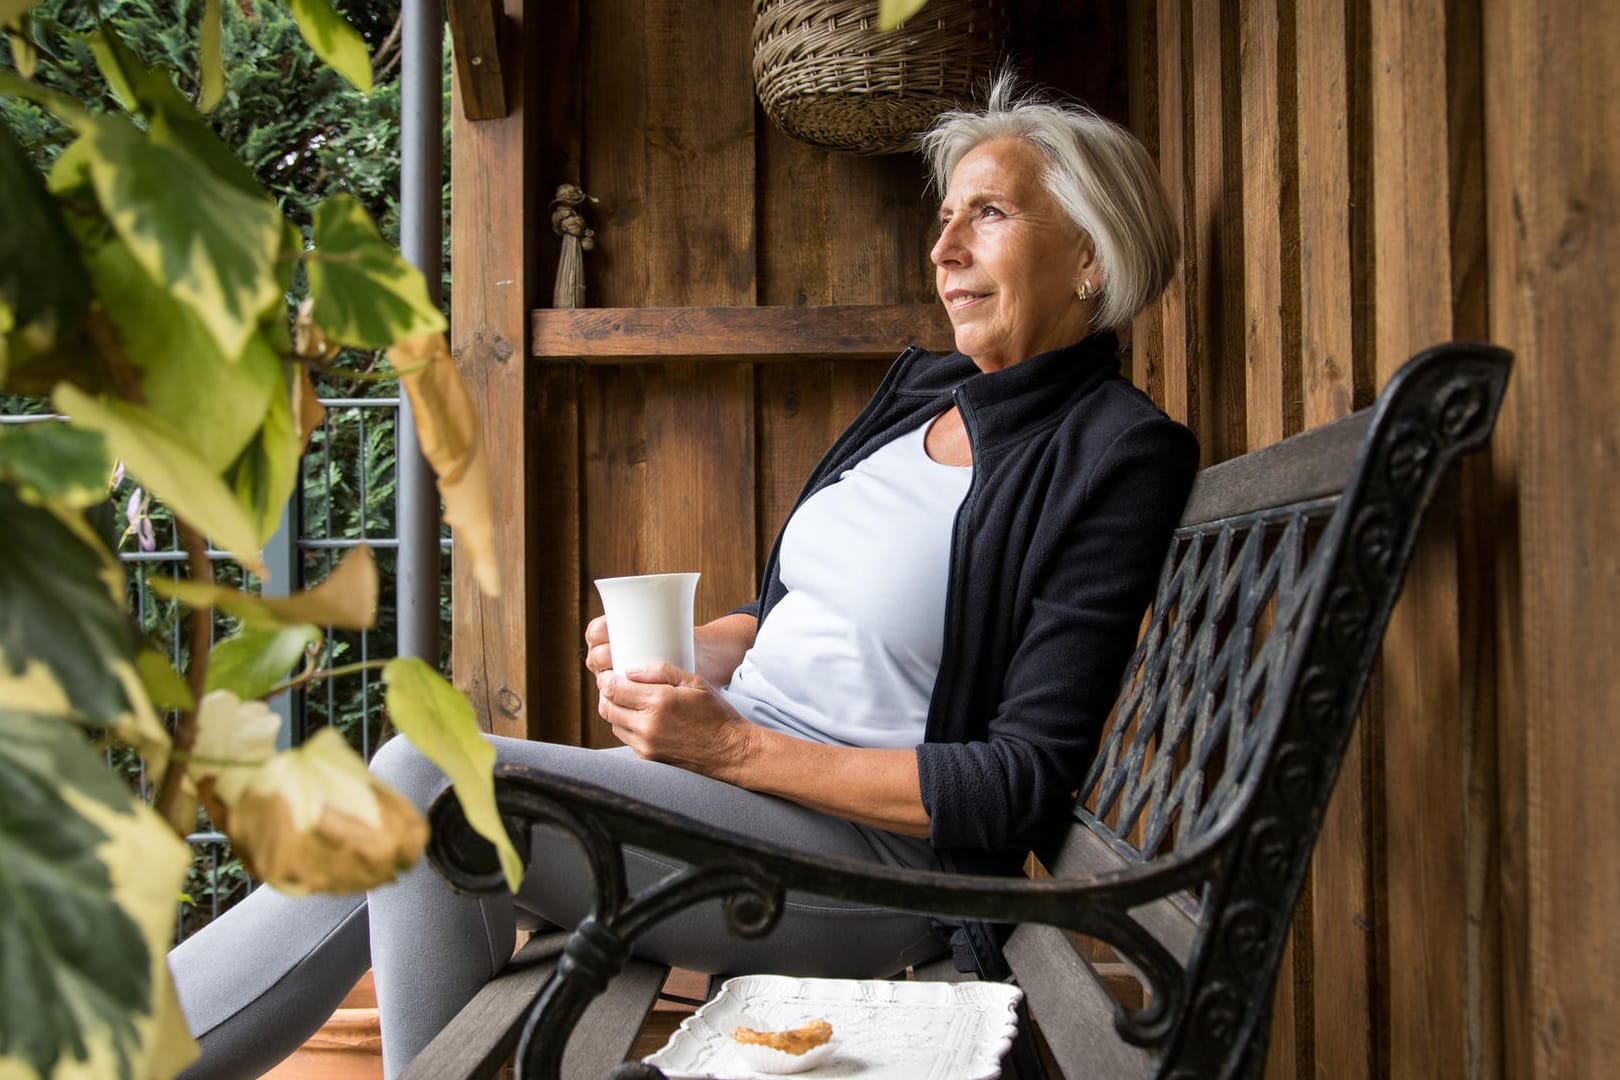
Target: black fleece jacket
(1078,481)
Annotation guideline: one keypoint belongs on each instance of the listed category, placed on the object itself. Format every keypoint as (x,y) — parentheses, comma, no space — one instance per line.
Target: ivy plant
(144,277)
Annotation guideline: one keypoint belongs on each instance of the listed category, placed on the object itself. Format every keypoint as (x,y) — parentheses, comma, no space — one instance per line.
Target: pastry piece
(795,1041)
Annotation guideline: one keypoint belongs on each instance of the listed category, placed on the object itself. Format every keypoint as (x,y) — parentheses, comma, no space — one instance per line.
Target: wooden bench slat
(485,1033)
(1306,466)
(1085,854)
(1072,1006)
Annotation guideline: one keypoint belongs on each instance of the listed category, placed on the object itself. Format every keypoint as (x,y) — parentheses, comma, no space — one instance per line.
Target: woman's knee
(403,767)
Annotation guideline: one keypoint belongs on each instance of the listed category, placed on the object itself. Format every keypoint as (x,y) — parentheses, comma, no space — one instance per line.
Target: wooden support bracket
(475,30)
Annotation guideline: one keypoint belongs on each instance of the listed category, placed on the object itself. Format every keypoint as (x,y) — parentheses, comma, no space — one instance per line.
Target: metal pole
(421,236)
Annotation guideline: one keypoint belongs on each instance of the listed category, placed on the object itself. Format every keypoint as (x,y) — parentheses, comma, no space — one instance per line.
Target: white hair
(1099,174)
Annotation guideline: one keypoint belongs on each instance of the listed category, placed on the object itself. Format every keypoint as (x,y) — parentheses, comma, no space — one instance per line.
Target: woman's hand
(720,646)
(676,717)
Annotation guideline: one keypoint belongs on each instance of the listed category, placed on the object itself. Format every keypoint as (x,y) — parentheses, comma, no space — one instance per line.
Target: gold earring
(1084,292)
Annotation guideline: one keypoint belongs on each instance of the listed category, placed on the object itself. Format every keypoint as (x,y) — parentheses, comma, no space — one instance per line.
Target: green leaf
(365,294)
(211,57)
(213,245)
(266,473)
(334,40)
(891,13)
(163,684)
(252,662)
(73,966)
(57,610)
(12,10)
(24,53)
(87,881)
(440,722)
(175,475)
(55,462)
(171,118)
(42,279)
(183,374)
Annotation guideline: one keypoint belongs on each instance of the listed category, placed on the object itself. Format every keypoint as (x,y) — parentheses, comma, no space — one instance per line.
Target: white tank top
(851,653)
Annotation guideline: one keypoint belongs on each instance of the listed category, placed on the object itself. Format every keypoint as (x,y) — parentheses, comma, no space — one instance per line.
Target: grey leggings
(256,983)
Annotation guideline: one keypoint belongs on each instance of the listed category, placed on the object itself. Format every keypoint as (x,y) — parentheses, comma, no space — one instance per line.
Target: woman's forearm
(879,788)
(721,645)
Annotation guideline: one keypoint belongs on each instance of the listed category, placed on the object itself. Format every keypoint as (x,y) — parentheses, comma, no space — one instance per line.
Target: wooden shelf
(732,334)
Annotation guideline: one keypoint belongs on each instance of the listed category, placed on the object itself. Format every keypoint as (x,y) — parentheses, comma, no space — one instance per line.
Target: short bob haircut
(1098,173)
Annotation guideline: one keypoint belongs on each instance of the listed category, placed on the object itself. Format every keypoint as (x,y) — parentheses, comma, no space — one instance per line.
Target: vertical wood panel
(613,471)
(551,450)
(1147,336)
(1260,109)
(491,168)
(613,446)
(698,511)
(1180,379)
(1425,748)
(837,229)
(1512,91)
(1342,915)
(1201,30)
(1478,535)
(1559,285)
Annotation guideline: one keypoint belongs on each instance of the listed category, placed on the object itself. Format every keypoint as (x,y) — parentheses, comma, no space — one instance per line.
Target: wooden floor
(349,1045)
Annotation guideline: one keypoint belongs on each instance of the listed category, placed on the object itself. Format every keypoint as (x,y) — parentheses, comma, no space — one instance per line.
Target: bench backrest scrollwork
(1239,702)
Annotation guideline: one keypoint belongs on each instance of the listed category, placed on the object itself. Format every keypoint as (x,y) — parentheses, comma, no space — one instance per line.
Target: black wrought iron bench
(1193,832)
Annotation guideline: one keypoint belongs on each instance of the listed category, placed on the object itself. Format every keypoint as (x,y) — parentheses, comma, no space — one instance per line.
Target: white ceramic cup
(649,619)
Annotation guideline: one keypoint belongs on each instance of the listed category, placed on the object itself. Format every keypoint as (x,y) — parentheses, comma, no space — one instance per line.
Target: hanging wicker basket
(827,75)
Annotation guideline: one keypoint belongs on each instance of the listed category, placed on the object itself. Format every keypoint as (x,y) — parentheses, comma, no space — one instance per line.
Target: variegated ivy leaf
(364,293)
(43,283)
(447,424)
(55,463)
(346,599)
(88,879)
(60,610)
(235,738)
(160,458)
(183,373)
(334,40)
(213,244)
(169,115)
(440,722)
(265,474)
(164,686)
(254,661)
(314,819)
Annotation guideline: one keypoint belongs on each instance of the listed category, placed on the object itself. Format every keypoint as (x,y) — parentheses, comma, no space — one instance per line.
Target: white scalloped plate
(882,1030)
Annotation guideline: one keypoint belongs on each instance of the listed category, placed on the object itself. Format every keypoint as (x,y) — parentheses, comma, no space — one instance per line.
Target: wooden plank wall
(1358,179)
(640,467)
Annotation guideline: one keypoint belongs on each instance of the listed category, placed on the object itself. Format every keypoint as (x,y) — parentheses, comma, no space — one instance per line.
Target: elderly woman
(923,678)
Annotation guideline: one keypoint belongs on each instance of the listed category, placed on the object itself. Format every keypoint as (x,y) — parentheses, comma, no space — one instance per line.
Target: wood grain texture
(1343,913)
(1510,122)
(1558,311)
(1260,107)
(476,29)
(1424,741)
(1180,379)
(491,293)
(730,334)
(698,510)
(1146,352)
(613,477)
